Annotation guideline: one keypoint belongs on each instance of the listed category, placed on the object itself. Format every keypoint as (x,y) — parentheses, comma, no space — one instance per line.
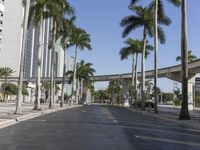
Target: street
(98,127)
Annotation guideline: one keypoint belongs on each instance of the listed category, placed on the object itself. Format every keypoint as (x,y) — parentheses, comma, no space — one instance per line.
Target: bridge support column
(125,85)
(86,94)
(191,82)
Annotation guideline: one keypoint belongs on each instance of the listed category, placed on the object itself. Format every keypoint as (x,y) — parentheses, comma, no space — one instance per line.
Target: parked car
(148,104)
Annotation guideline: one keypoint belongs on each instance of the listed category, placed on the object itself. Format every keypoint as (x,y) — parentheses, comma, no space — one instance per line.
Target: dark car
(147,104)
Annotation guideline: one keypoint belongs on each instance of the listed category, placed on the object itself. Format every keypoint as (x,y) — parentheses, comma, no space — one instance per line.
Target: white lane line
(115,121)
(167,140)
(161,131)
(111,117)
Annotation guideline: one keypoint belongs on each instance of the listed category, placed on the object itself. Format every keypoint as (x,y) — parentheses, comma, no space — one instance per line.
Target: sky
(101,18)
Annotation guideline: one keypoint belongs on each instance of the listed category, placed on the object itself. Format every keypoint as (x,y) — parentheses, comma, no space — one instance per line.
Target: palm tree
(41,10)
(158,10)
(114,89)
(65,33)
(26,4)
(58,15)
(191,57)
(184,113)
(159,17)
(83,73)
(81,40)
(142,18)
(6,72)
(134,47)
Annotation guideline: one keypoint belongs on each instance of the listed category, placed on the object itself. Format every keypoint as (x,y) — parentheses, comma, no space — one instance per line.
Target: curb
(10,122)
(196,126)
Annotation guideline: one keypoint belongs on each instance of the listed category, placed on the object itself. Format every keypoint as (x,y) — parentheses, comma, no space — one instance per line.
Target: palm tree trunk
(5,84)
(143,71)
(184,113)
(81,94)
(133,69)
(136,89)
(52,88)
(63,80)
(74,74)
(155,54)
(38,78)
(21,71)
(77,90)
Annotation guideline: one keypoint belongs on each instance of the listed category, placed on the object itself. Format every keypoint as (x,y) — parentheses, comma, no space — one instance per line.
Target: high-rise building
(11,34)
(31,48)
(13,13)
(11,23)
(69,67)
(1,20)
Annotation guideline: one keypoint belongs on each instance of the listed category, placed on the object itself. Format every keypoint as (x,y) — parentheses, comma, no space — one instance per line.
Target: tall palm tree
(26,4)
(63,10)
(133,48)
(65,33)
(142,17)
(81,40)
(184,113)
(37,13)
(41,10)
(158,10)
(6,72)
(84,72)
(114,89)
(191,57)
(159,15)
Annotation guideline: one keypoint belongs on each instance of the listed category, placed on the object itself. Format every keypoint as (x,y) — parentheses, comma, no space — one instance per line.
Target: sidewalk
(172,114)
(7,116)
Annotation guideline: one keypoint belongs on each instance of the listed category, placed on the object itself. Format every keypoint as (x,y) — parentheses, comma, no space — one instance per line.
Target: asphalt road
(98,128)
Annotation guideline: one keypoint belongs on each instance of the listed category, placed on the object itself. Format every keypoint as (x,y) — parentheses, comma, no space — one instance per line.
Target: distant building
(69,67)
(11,41)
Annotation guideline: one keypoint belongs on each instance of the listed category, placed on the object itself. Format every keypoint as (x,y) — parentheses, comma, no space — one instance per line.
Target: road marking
(83,110)
(161,131)
(41,120)
(139,122)
(167,140)
(109,117)
(115,121)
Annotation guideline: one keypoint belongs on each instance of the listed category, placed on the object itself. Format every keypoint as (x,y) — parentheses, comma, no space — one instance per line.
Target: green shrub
(197,101)
(177,102)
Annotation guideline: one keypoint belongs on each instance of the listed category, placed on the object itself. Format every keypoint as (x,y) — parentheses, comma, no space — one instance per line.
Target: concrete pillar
(88,97)
(125,84)
(191,83)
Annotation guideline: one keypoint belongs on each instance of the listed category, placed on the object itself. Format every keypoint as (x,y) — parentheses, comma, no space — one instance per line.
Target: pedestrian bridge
(172,72)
